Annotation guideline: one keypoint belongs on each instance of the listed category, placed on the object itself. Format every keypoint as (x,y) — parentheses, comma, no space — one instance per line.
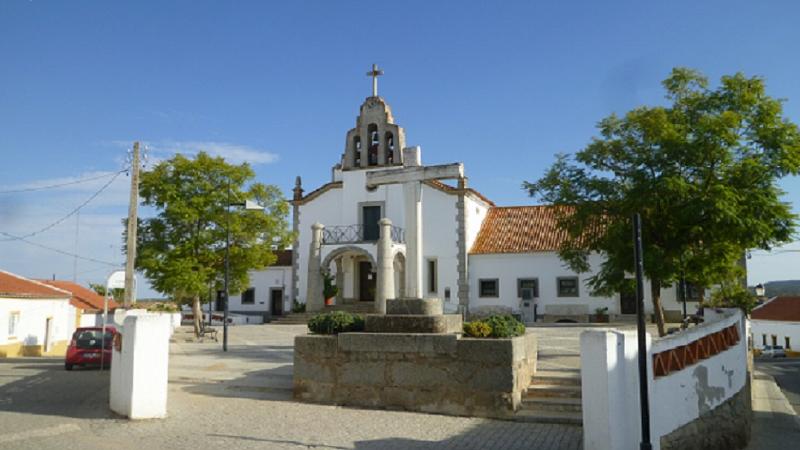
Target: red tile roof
(786,309)
(436,184)
(520,229)
(284,258)
(82,297)
(15,286)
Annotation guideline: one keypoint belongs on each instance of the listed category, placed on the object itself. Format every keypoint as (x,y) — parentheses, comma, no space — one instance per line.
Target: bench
(208,331)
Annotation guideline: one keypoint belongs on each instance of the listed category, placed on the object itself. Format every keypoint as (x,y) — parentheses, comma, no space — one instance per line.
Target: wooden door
(627,302)
(370,217)
(366,282)
(276,301)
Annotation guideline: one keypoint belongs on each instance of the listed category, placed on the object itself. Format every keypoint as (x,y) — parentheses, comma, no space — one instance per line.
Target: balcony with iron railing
(357,234)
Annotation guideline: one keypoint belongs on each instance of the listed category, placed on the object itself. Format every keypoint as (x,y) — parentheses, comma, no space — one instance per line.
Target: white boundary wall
(610,383)
(139,373)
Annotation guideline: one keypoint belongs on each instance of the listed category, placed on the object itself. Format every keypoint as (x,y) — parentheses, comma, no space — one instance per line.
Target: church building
(388,226)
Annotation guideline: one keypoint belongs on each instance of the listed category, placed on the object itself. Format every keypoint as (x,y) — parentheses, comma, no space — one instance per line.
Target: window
(694,293)
(763,339)
(788,345)
(357,150)
(567,286)
(432,274)
(13,323)
(774,340)
(489,288)
(527,283)
(249,296)
(370,216)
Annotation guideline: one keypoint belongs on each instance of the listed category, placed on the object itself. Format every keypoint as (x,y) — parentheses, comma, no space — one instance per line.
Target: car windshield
(91,338)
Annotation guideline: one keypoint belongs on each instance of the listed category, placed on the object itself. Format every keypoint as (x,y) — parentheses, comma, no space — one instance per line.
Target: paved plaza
(242,400)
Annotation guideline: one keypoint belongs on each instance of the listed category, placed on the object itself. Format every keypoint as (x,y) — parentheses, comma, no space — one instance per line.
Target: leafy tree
(702,172)
(182,249)
(733,295)
(117,294)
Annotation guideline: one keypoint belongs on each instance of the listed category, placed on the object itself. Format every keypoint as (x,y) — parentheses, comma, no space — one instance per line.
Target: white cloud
(234,153)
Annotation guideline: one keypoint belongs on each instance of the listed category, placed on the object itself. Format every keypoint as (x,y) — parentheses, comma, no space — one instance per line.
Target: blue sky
(501,88)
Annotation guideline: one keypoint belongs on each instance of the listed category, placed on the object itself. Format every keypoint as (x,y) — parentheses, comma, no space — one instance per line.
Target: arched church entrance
(354,271)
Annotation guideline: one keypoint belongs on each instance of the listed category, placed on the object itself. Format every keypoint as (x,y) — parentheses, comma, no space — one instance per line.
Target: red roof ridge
(54,290)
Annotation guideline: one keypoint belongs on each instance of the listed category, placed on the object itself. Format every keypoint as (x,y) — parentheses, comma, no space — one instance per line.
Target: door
(366,282)
(627,302)
(370,215)
(276,301)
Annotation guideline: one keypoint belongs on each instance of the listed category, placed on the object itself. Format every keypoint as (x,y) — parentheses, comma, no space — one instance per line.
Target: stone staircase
(302,318)
(554,396)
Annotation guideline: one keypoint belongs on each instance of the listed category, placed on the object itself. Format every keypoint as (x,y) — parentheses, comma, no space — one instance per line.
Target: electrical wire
(70,214)
(35,244)
(54,186)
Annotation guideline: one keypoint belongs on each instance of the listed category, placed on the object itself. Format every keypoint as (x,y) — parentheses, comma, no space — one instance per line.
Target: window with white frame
(249,296)
(432,276)
(567,286)
(13,324)
(489,287)
(527,283)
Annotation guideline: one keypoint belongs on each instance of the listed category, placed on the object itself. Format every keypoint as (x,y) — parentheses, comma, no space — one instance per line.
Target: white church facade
(441,237)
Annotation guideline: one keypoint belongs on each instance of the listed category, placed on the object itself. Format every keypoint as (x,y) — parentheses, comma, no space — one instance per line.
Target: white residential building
(35,319)
(776,322)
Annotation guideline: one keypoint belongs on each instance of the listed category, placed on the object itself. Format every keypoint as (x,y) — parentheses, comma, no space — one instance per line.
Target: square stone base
(391,323)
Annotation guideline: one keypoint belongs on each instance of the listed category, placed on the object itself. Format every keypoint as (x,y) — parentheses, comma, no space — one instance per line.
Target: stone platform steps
(553,397)
(302,318)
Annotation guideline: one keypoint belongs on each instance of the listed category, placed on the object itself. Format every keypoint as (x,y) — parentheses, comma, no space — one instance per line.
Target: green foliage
(601,311)
(336,322)
(328,288)
(298,307)
(166,307)
(495,327)
(703,172)
(117,294)
(733,295)
(182,249)
(477,329)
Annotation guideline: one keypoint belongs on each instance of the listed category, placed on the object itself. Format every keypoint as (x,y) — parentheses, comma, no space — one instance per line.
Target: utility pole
(132,228)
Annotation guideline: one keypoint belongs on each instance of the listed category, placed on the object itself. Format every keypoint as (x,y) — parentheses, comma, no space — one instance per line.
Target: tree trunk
(198,315)
(658,311)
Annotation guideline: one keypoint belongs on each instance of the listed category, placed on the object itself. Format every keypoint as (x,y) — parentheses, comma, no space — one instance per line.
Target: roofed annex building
(442,238)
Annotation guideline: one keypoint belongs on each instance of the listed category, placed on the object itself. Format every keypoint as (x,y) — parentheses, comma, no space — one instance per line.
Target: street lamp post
(644,401)
(248,206)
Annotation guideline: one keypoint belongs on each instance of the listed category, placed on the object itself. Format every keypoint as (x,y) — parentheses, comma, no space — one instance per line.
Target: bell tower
(376,141)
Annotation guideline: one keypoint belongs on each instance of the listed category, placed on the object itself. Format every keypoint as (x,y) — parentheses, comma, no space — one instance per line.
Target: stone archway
(341,251)
(355,273)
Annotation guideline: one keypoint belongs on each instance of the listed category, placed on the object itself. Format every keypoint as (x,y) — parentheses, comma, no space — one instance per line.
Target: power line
(70,214)
(54,186)
(35,244)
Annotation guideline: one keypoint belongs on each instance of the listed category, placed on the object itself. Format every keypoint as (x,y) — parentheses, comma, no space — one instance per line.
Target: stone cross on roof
(375,73)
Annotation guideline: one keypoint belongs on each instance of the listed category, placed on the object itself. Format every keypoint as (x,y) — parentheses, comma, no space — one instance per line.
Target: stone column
(314,300)
(385,282)
(340,280)
(412,193)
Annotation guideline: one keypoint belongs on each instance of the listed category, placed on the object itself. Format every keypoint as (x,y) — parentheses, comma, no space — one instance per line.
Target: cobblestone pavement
(237,400)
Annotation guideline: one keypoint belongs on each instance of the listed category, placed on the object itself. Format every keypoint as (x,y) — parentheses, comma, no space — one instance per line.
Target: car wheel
(68,366)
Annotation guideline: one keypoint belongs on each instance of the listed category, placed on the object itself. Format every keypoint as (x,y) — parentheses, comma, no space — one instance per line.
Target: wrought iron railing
(352,234)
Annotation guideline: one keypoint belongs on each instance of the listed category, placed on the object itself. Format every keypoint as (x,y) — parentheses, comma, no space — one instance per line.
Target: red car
(88,349)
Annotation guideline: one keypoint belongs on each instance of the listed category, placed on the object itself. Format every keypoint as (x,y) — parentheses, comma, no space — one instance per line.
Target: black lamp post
(644,401)
(248,206)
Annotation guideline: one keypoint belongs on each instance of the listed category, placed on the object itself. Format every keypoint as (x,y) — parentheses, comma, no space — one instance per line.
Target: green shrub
(336,322)
(477,329)
(298,307)
(166,307)
(495,327)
